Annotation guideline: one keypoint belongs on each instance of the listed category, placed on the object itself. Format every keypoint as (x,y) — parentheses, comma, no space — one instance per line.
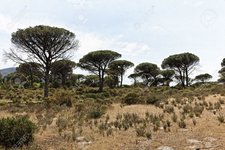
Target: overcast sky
(141,30)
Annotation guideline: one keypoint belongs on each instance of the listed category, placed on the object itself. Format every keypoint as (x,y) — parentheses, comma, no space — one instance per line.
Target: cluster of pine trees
(43,54)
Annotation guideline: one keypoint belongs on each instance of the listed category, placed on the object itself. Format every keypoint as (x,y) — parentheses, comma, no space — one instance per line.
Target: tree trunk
(101,87)
(167,83)
(187,77)
(31,77)
(135,81)
(121,80)
(31,80)
(101,84)
(181,78)
(101,80)
(63,79)
(46,82)
(146,80)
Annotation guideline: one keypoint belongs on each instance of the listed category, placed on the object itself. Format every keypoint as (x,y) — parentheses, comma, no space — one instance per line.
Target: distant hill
(7,71)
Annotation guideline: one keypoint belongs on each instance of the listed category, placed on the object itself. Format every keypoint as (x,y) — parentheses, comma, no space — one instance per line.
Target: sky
(141,30)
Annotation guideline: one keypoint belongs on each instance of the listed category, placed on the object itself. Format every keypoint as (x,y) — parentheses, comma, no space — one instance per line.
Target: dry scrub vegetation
(129,118)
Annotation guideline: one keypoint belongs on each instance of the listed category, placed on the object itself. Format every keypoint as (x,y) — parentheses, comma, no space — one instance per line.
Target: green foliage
(95,113)
(111,81)
(167,76)
(31,43)
(62,70)
(141,131)
(153,100)
(119,67)
(97,96)
(55,84)
(182,64)
(203,77)
(134,76)
(148,72)
(32,71)
(91,80)
(131,98)
(222,72)
(76,79)
(97,62)
(148,135)
(16,131)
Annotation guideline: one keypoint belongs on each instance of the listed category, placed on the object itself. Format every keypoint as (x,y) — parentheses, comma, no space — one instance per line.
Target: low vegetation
(81,110)
(16,132)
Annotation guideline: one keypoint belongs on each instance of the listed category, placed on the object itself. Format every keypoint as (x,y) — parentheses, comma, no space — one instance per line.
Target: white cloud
(5,23)
(92,41)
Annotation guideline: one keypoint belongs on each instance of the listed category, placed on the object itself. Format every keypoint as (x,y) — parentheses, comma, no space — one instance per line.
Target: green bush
(95,113)
(102,95)
(36,85)
(16,132)
(55,84)
(131,98)
(140,131)
(152,100)
(148,135)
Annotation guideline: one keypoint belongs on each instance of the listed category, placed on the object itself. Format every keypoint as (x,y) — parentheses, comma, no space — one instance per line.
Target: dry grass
(60,125)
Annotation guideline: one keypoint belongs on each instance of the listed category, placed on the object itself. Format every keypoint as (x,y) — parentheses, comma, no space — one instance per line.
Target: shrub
(220,118)
(140,131)
(63,98)
(205,103)
(174,117)
(55,84)
(221,101)
(191,115)
(182,124)
(152,100)
(131,98)
(168,109)
(62,123)
(148,135)
(95,113)
(36,85)
(102,95)
(217,105)
(16,132)
(198,110)
(187,108)
(109,132)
